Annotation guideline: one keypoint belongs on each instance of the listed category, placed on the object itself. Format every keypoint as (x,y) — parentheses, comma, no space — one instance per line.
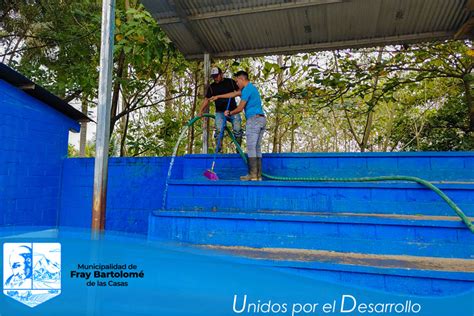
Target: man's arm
(239,109)
(227,95)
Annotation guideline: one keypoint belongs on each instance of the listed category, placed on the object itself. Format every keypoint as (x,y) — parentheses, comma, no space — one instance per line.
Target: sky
(91,127)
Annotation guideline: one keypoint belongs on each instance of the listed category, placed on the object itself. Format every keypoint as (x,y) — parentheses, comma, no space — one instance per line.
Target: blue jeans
(254,130)
(236,121)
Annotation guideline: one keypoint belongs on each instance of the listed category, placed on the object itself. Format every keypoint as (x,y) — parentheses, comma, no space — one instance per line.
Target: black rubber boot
(259,168)
(252,175)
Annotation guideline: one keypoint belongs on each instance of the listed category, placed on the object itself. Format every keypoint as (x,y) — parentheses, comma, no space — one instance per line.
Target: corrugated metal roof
(227,28)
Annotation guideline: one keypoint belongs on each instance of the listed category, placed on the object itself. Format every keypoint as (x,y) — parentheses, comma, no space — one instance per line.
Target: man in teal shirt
(251,101)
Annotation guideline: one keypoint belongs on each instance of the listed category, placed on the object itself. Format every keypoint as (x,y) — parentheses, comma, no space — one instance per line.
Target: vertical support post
(103,116)
(205,121)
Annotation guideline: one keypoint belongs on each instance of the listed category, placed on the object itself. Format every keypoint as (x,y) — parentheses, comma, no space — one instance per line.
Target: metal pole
(205,121)
(103,115)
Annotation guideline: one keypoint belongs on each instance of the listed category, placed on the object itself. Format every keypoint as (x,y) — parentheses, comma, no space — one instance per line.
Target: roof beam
(295,4)
(357,43)
(30,86)
(470,5)
(183,18)
(467,28)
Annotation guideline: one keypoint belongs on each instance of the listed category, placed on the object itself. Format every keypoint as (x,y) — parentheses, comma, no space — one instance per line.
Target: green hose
(424,183)
(239,149)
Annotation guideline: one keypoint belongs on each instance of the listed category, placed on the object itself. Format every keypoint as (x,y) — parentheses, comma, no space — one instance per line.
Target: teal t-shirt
(251,95)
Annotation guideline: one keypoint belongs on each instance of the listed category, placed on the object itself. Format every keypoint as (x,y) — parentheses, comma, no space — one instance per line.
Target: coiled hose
(420,181)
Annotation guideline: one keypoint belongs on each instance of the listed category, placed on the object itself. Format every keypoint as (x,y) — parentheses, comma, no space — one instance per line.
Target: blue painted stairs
(397,236)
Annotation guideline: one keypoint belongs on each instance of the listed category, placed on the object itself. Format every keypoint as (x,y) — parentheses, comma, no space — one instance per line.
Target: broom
(210,173)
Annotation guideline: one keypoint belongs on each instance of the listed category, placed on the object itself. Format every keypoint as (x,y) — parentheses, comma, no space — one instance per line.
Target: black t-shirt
(225,86)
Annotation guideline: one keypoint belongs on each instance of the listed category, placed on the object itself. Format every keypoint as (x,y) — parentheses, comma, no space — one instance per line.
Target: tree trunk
(346,114)
(121,73)
(278,107)
(123,126)
(7,49)
(370,115)
(367,129)
(168,91)
(391,118)
(335,125)
(116,91)
(124,135)
(14,50)
(467,88)
(83,135)
(193,111)
(280,141)
(351,127)
(293,128)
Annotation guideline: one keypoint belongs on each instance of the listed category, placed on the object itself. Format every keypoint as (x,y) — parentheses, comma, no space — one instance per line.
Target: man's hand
(214,98)
(227,113)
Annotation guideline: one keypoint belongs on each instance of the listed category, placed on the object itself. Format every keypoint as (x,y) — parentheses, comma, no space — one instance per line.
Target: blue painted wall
(135,188)
(334,197)
(33,146)
(454,169)
(433,166)
(365,234)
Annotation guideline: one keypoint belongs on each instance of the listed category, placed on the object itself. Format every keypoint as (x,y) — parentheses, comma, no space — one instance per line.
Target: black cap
(215,71)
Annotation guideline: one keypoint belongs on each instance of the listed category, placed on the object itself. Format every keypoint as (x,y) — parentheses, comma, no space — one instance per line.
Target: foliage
(394,98)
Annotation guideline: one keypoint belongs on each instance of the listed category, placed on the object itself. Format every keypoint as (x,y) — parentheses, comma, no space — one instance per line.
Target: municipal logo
(32,272)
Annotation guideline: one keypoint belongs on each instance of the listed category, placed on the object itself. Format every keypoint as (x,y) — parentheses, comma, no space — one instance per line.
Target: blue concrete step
(447,166)
(434,236)
(333,197)
(409,275)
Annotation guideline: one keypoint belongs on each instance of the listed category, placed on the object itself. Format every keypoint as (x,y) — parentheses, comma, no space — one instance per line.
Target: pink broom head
(211,175)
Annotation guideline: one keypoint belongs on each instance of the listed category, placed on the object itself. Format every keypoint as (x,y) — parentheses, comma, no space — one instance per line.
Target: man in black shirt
(220,86)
